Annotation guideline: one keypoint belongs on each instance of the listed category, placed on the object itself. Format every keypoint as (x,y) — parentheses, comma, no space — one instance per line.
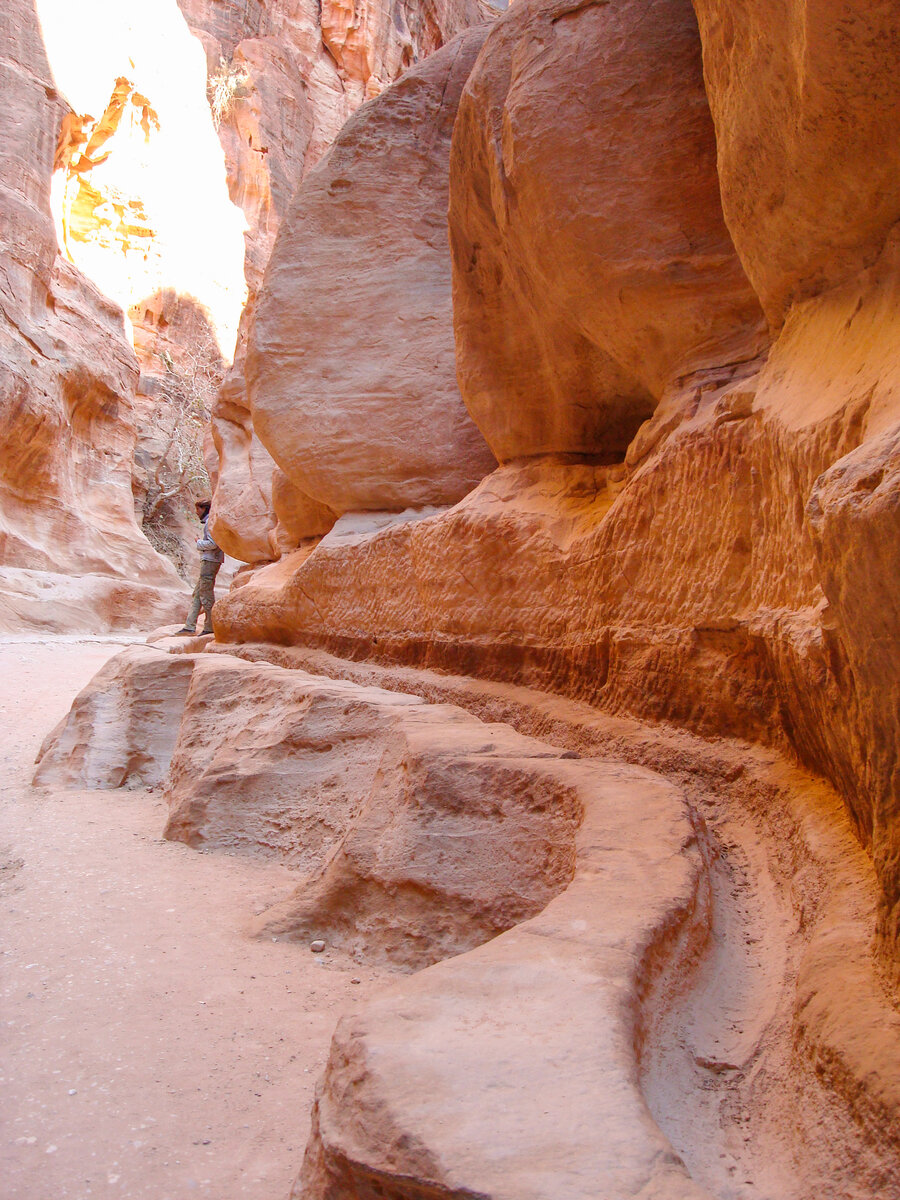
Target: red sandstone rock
(734,577)
(688,584)
(66,396)
(375,423)
(806,105)
(304,68)
(592,269)
(541,1021)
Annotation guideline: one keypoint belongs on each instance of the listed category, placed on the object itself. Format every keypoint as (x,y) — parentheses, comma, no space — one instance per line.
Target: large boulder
(592,268)
(298,72)
(806,103)
(351,368)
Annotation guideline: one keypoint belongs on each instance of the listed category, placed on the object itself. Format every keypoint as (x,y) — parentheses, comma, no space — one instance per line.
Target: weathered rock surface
(723,577)
(242,518)
(592,269)
(595,583)
(805,101)
(701,1012)
(543,1020)
(66,394)
(728,1021)
(372,423)
(419,831)
(121,730)
(301,69)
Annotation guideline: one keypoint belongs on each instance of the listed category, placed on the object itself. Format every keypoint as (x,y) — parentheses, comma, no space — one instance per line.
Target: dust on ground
(148,1049)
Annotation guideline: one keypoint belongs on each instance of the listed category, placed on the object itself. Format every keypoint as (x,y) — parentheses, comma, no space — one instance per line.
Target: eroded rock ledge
(624,963)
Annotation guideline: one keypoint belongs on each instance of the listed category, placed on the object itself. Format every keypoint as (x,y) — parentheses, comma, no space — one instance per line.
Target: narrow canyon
(524,822)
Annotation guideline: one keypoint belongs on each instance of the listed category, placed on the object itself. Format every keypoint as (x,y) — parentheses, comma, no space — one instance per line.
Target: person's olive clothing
(211,558)
(204,595)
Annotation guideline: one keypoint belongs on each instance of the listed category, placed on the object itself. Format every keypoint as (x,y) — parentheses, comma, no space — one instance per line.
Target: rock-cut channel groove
(642,1028)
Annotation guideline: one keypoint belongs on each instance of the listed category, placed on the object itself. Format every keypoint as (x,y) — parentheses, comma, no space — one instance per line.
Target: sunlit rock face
(71,554)
(142,207)
(140,195)
(294,71)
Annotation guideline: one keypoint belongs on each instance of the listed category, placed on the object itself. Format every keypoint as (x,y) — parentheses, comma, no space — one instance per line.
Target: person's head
(202,508)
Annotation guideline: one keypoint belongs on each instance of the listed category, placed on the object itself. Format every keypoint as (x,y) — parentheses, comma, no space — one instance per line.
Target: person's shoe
(185,632)
(204,632)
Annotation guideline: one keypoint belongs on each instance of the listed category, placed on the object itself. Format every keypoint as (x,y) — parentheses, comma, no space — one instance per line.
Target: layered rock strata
(72,554)
(692,929)
(728,575)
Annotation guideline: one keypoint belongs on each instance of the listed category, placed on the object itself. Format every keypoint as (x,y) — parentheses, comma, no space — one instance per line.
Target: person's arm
(205,542)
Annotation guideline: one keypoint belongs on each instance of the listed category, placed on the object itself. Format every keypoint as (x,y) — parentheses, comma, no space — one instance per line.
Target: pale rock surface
(375,423)
(542,1020)
(770,1048)
(418,831)
(242,518)
(695,954)
(806,104)
(122,727)
(66,394)
(592,269)
(464,831)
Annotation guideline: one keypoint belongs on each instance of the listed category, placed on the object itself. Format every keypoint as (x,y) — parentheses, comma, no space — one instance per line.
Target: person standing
(211,558)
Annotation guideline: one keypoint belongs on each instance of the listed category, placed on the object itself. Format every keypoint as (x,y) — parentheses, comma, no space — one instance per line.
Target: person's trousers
(204,596)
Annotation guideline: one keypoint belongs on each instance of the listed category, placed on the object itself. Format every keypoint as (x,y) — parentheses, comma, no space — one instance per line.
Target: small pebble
(317,946)
(354,981)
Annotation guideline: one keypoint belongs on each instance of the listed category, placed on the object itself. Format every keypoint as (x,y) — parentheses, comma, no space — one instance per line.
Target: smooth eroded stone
(592,268)
(351,370)
(805,95)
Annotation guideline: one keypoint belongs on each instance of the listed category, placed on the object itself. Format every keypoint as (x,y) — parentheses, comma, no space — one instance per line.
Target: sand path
(147,1048)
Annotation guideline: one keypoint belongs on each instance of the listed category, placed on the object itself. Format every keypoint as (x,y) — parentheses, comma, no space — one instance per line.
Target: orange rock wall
(804,98)
(734,573)
(371,420)
(72,555)
(582,295)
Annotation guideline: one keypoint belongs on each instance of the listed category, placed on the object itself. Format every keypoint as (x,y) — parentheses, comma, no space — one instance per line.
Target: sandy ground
(147,1047)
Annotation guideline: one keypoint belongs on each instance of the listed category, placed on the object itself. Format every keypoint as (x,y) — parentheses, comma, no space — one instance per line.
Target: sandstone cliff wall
(374,420)
(71,552)
(732,574)
(655,980)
